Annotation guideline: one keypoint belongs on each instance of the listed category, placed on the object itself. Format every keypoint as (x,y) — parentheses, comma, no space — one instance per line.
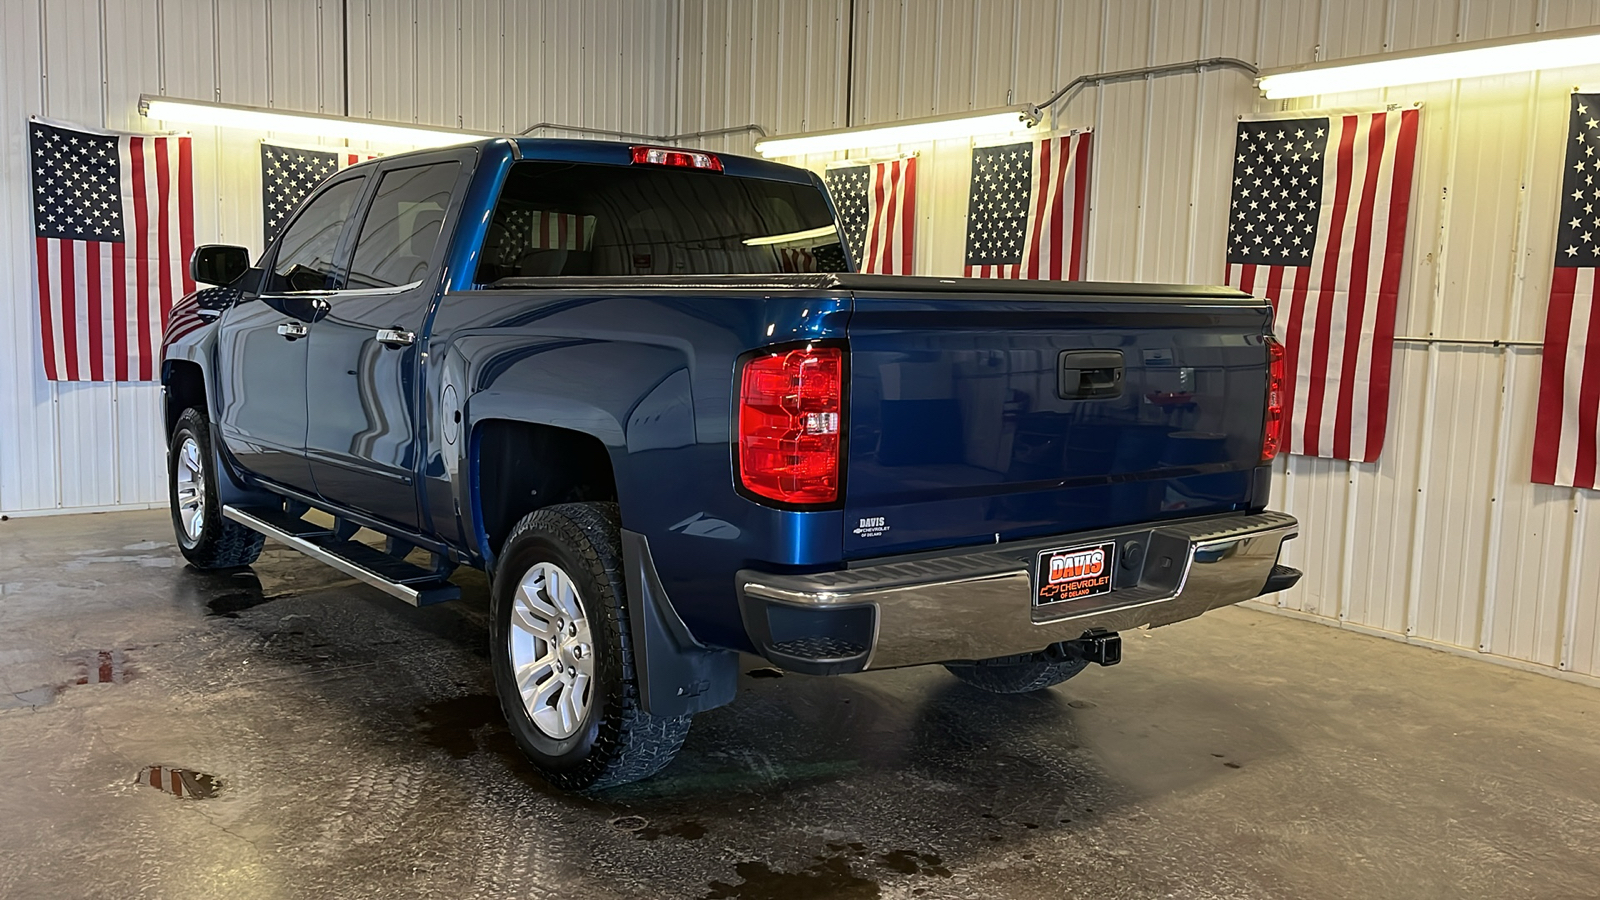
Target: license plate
(1074,573)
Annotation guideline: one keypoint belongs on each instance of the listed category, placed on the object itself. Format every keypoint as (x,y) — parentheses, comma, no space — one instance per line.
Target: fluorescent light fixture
(1549,50)
(254,118)
(824,231)
(906,131)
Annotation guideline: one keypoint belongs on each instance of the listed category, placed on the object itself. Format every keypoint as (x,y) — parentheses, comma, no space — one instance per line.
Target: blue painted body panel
(958,434)
(955,431)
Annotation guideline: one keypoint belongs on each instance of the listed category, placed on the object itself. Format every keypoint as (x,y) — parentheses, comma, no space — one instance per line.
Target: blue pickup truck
(643,390)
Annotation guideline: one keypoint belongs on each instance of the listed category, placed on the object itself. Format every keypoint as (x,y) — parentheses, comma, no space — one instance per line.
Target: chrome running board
(396,577)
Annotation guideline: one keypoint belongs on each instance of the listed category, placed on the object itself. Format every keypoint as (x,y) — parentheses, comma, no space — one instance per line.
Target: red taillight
(1277,375)
(667,156)
(789,424)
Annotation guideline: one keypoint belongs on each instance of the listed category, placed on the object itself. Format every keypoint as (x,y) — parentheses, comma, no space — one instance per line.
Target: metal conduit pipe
(658,138)
(1061,96)
(1194,65)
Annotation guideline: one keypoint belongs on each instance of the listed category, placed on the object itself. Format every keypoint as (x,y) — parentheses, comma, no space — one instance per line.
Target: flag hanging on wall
(1567,431)
(113,218)
(877,204)
(288,174)
(1027,215)
(1317,226)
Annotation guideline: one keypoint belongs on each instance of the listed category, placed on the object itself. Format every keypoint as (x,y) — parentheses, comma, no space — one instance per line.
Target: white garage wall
(482,64)
(1444,541)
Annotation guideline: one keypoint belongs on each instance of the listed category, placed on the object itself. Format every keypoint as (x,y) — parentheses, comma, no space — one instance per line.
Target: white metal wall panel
(489,64)
(1443,541)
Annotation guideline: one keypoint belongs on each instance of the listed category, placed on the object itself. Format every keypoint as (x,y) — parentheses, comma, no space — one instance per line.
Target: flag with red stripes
(1028,211)
(1317,226)
(113,218)
(1567,431)
(522,231)
(288,174)
(877,205)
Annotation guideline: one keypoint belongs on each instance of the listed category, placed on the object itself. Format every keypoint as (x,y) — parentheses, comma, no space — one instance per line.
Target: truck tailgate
(981,413)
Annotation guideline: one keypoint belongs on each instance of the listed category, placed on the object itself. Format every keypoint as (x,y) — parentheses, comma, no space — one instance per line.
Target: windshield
(557,218)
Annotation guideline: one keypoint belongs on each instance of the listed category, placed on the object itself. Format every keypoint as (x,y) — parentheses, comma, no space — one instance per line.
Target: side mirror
(218,264)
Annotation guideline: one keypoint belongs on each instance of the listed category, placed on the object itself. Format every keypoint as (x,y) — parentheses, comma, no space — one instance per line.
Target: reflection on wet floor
(182,783)
(102,667)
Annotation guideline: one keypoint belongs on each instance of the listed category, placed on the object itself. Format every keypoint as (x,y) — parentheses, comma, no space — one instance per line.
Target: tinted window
(305,254)
(584,219)
(402,228)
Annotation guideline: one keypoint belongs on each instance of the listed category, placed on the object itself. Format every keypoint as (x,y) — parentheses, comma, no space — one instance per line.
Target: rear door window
(557,218)
(402,227)
(305,252)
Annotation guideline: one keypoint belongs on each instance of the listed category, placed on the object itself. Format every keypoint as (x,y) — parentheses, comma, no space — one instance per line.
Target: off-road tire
(619,742)
(222,544)
(1017,674)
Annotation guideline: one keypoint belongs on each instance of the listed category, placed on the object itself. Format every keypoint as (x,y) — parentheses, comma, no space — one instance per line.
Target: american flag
(1567,430)
(113,218)
(1317,226)
(1029,209)
(877,204)
(288,174)
(522,230)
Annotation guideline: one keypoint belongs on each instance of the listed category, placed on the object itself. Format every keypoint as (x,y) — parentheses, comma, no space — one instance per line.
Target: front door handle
(396,337)
(293,330)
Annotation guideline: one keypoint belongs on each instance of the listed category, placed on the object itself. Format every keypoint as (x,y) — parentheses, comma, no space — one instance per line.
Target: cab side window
(402,228)
(305,252)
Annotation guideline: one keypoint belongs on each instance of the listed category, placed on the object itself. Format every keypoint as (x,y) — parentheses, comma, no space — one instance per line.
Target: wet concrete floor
(286,732)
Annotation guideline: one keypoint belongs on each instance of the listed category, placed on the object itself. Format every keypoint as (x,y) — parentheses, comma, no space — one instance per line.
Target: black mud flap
(677,674)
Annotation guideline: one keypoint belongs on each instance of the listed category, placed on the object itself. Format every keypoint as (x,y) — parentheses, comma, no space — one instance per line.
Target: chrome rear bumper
(979,605)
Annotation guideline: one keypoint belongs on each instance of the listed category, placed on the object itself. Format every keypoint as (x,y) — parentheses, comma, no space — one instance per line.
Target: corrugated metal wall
(482,64)
(1444,541)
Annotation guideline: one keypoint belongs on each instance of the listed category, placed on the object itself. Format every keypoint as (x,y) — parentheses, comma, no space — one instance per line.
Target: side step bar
(413,584)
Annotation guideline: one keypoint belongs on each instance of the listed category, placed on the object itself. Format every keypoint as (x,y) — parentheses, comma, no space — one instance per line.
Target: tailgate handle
(1090,374)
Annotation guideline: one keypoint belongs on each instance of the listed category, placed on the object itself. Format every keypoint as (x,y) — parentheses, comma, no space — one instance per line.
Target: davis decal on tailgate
(1075,573)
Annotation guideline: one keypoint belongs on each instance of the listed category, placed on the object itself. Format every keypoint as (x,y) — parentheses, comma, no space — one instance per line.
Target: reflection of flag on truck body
(1567,431)
(877,204)
(288,174)
(1027,215)
(113,218)
(1317,226)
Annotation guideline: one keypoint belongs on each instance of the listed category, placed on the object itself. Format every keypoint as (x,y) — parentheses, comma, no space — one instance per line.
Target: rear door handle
(396,337)
(293,330)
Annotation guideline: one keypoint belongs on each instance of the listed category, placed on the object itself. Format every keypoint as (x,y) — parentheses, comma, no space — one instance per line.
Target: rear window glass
(557,218)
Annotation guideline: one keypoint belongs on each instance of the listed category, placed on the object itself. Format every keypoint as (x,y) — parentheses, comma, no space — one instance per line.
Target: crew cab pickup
(643,390)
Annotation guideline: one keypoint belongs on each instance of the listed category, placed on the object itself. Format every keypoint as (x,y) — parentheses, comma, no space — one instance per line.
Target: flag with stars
(877,205)
(1566,433)
(113,228)
(1027,214)
(1317,226)
(288,174)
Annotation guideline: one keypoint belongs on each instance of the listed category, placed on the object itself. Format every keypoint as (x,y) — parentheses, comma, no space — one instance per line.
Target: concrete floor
(357,752)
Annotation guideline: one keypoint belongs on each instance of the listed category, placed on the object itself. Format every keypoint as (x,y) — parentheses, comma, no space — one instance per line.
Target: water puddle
(182,783)
(910,862)
(689,831)
(101,667)
(767,672)
(829,876)
(33,698)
